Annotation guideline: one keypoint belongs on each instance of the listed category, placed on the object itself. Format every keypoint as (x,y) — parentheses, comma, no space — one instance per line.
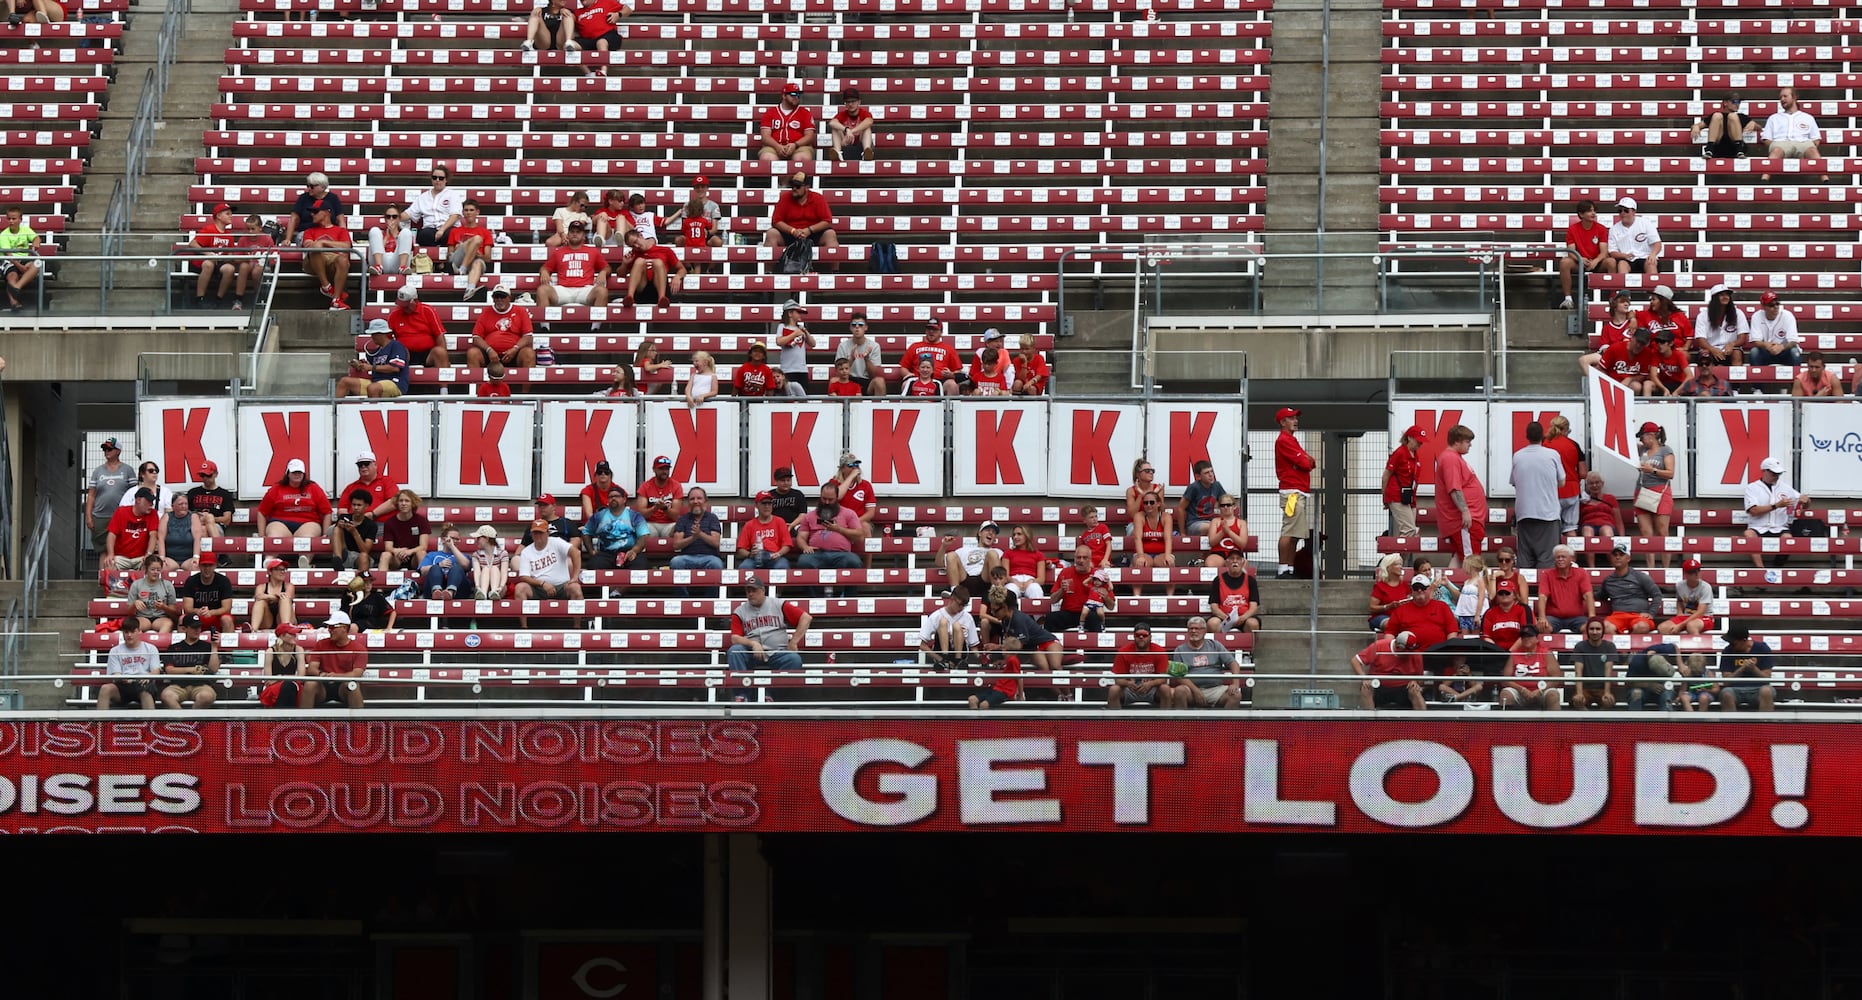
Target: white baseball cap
(338,618)
(295,465)
(1629,203)
(1772,465)
(364,456)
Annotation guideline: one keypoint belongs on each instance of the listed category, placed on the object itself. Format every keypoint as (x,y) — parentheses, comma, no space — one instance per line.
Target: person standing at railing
(1293,473)
(1401,471)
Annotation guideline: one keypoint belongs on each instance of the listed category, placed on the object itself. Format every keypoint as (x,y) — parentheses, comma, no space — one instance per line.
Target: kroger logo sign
(1848,444)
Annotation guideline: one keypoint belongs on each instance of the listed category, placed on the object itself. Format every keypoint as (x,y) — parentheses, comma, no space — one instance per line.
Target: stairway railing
(121,211)
(23,610)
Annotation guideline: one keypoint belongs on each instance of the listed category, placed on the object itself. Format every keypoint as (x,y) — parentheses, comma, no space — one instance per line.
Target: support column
(748,950)
(714,957)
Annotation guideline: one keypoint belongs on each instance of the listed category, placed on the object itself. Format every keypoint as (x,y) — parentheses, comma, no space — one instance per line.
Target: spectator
(1662,315)
(852,125)
(968,566)
(574,275)
(945,362)
(1428,619)
(1538,475)
(1600,514)
(1209,682)
(1004,619)
(755,378)
(435,211)
(551,28)
(208,595)
(766,633)
(610,220)
(131,666)
(445,572)
(597,22)
(419,329)
(1770,504)
(391,234)
(1655,472)
(133,534)
(1669,369)
(502,333)
(1096,537)
(1387,590)
(1476,594)
(1774,339)
(1706,383)
(560,525)
(830,536)
(1720,329)
(19,261)
(295,507)
(856,491)
(1293,472)
(658,498)
(1394,657)
(355,533)
(1587,249)
(1461,503)
(315,196)
(1693,602)
(210,505)
(330,269)
(217,234)
(1616,328)
(1634,243)
(1401,470)
(788,129)
(785,501)
(1745,672)
(1632,363)
(549,568)
(470,244)
(1445,590)
(1566,602)
(178,537)
(1790,133)
(1228,532)
(1080,597)
(284,658)
(803,215)
(923,381)
(949,632)
(381,490)
(1031,369)
(1141,675)
(1594,659)
(1503,622)
(149,477)
(574,209)
(1571,461)
(403,533)
(1004,688)
(614,533)
(491,564)
(703,384)
(1648,674)
(648,261)
(1630,595)
(1028,568)
(622,386)
(1814,379)
(152,599)
(1461,685)
(1151,539)
(381,370)
(840,383)
(794,340)
(699,222)
(1200,499)
(274,597)
(337,662)
(866,365)
(108,484)
(764,542)
(698,535)
(188,662)
(601,486)
(254,240)
(1234,599)
(991,374)
(1534,678)
(1722,135)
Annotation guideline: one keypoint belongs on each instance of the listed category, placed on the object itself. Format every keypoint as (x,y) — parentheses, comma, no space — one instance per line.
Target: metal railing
(121,211)
(21,611)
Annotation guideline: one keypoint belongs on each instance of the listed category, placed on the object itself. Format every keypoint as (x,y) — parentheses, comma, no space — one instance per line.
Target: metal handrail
(20,611)
(120,213)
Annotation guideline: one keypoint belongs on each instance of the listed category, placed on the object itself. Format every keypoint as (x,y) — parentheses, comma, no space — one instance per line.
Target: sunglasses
(1143,471)
(1150,503)
(393,218)
(1225,505)
(859,326)
(1505,559)
(438,177)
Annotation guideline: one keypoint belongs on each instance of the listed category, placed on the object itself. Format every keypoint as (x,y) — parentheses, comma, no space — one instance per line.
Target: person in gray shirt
(152,598)
(108,483)
(1207,661)
(1632,595)
(1537,475)
(868,365)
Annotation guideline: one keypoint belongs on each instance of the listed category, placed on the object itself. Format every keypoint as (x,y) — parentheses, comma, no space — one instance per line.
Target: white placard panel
(179,434)
(1000,449)
(578,435)
(486,452)
(398,434)
(901,447)
(804,437)
(271,435)
(705,444)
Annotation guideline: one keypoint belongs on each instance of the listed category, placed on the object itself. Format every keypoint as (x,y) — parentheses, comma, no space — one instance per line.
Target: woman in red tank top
(1150,538)
(1616,328)
(1027,567)
(1144,481)
(1228,532)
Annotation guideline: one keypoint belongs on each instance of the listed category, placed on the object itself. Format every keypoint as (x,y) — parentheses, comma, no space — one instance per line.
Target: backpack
(796,259)
(885,258)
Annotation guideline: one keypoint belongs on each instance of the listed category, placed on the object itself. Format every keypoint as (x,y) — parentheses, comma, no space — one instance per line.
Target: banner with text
(780,775)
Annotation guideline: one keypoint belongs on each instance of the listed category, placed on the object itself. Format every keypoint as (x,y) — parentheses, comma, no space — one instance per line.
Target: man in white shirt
(1790,133)
(1634,242)
(1770,505)
(949,633)
(1773,340)
(547,569)
(132,666)
(436,210)
(969,565)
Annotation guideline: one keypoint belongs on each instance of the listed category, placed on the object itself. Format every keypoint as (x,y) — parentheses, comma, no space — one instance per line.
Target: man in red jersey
(330,269)
(946,363)
(1430,620)
(1587,247)
(801,214)
(1461,508)
(502,333)
(1293,472)
(764,541)
(1503,620)
(419,329)
(1632,362)
(661,498)
(1397,661)
(788,129)
(131,533)
(335,661)
(575,273)
(217,234)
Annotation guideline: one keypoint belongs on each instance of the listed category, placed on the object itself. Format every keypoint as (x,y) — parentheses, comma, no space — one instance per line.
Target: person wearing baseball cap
(1655,473)
(1745,667)
(1293,472)
(662,498)
(380,372)
(187,664)
(803,214)
(208,595)
(787,129)
(218,234)
(767,633)
(1506,617)
(504,333)
(699,223)
(1771,504)
(946,363)
(574,274)
(852,125)
(108,483)
(786,502)
(370,479)
(1141,674)
(1391,667)
(1401,471)
(1635,245)
(857,493)
(210,503)
(548,569)
(948,633)
(594,496)
(337,662)
(1534,680)
(1772,334)
(418,328)
(764,541)
(1693,601)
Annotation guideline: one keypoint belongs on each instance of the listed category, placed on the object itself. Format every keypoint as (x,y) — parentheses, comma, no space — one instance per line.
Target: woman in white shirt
(148,476)
(575,211)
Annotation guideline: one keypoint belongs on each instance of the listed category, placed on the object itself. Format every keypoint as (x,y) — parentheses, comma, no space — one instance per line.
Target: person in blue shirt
(614,534)
(381,371)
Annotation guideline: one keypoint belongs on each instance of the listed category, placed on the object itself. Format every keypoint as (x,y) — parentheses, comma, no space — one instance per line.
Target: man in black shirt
(1591,657)
(785,500)
(211,505)
(208,595)
(186,665)
(560,527)
(353,533)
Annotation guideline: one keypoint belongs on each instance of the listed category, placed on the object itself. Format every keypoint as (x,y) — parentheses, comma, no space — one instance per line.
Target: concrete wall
(103,355)
(1302,354)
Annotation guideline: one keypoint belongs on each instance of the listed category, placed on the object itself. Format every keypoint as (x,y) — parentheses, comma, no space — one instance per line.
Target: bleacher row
(1499,117)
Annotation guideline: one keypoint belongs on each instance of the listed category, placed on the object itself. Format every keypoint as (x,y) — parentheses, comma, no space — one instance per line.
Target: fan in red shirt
(851,125)
(1430,620)
(1502,622)
(1669,366)
(131,533)
(471,242)
(596,22)
(575,273)
(1396,657)
(380,488)
(1630,362)
(946,363)
(840,380)
(1142,675)
(494,386)
(1096,536)
(764,542)
(1662,315)
(419,329)
(1031,370)
(663,497)
(801,214)
(1587,243)
(991,374)
(295,506)
(755,377)
(648,261)
(1534,678)
(215,235)
(788,129)
(502,333)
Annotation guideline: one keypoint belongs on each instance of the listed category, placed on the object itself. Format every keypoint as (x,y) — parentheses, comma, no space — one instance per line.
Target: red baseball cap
(546,498)
(1416,432)
(1285,412)
(763,497)
(1649,427)
(1690,565)
(1505,586)
(1768,298)
(701,181)
(222,207)
(791,88)
(207,468)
